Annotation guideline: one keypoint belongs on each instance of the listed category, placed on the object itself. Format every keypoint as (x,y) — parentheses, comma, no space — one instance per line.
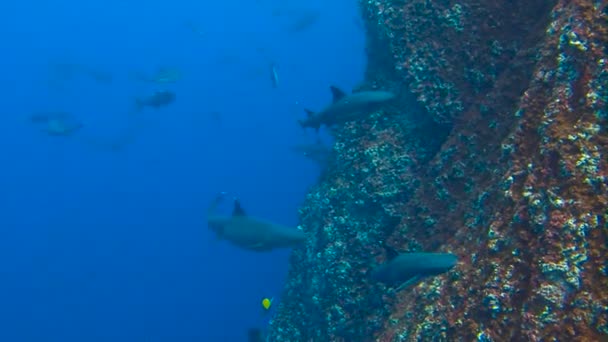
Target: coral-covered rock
(516,183)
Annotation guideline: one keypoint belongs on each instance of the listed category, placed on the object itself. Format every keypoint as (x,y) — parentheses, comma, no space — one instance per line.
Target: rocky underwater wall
(497,151)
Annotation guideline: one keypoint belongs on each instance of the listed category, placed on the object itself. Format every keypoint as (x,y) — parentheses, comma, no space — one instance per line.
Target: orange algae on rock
(498,154)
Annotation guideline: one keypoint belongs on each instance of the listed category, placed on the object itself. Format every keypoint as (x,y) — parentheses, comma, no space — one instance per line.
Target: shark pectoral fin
(409,282)
(337,93)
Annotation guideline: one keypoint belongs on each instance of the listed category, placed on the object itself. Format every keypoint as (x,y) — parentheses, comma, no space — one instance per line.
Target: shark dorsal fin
(391,253)
(337,93)
(238,210)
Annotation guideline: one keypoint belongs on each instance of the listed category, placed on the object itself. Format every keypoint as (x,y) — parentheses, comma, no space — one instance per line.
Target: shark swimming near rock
(251,233)
(404,269)
(346,107)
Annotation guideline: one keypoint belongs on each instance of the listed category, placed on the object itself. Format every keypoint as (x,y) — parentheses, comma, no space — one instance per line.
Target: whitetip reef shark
(346,107)
(251,233)
(405,269)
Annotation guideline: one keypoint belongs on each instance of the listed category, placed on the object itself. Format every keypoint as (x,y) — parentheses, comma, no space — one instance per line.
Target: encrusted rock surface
(497,152)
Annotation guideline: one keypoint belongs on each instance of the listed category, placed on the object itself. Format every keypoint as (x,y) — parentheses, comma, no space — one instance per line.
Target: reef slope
(497,151)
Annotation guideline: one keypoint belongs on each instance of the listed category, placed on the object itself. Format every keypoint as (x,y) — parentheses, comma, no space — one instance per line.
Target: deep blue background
(102,245)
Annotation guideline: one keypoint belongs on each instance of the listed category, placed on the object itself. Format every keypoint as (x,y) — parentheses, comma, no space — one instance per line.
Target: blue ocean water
(98,244)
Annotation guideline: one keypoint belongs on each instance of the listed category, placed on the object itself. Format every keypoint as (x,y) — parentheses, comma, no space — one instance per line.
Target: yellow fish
(267,303)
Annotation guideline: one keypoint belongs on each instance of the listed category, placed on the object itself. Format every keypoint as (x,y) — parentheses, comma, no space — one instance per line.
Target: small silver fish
(274,75)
